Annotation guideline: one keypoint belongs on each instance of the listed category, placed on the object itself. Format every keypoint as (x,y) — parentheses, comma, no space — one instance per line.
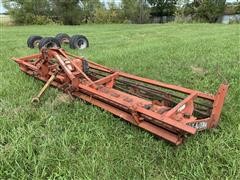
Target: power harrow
(168,111)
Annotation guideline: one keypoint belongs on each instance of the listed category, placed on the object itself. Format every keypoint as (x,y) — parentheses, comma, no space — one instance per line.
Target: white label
(181,108)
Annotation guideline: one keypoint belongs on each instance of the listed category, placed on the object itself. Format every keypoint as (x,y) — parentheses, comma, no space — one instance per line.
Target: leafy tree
(114,13)
(42,11)
(210,10)
(69,12)
(237,8)
(89,8)
(163,7)
(136,11)
(111,14)
(26,11)
(207,10)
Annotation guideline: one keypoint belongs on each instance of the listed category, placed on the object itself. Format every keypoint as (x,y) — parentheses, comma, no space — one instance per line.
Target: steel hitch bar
(50,80)
(167,111)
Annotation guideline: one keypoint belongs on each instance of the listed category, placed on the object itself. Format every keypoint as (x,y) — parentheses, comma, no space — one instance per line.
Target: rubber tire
(53,42)
(74,41)
(32,39)
(61,36)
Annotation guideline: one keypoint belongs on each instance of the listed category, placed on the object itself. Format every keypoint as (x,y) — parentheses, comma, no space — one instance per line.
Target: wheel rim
(50,45)
(82,44)
(36,43)
(65,40)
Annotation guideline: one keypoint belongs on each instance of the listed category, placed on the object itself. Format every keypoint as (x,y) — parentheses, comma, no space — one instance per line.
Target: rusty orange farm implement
(168,111)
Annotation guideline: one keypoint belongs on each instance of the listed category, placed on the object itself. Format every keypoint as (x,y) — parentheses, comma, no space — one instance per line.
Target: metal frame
(127,96)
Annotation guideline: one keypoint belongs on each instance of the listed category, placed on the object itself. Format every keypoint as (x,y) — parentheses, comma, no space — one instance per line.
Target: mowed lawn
(61,138)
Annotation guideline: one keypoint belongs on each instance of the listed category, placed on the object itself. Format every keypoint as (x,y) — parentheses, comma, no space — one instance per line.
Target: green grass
(71,139)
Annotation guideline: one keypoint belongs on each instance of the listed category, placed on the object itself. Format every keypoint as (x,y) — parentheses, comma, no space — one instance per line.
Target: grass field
(67,139)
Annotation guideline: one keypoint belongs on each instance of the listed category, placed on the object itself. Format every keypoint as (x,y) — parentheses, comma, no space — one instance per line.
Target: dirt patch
(199,70)
(64,98)
(61,98)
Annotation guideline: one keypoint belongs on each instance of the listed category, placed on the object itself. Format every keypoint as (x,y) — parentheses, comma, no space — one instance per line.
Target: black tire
(63,38)
(78,42)
(49,42)
(33,41)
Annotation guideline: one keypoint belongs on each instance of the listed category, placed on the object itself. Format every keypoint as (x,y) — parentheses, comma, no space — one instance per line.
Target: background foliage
(73,12)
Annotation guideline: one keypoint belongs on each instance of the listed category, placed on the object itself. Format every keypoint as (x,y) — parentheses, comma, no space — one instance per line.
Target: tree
(89,8)
(163,7)
(210,10)
(205,10)
(109,14)
(69,12)
(237,8)
(136,11)
(28,11)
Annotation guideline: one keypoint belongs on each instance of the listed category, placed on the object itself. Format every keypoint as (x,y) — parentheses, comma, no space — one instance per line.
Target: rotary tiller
(168,111)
